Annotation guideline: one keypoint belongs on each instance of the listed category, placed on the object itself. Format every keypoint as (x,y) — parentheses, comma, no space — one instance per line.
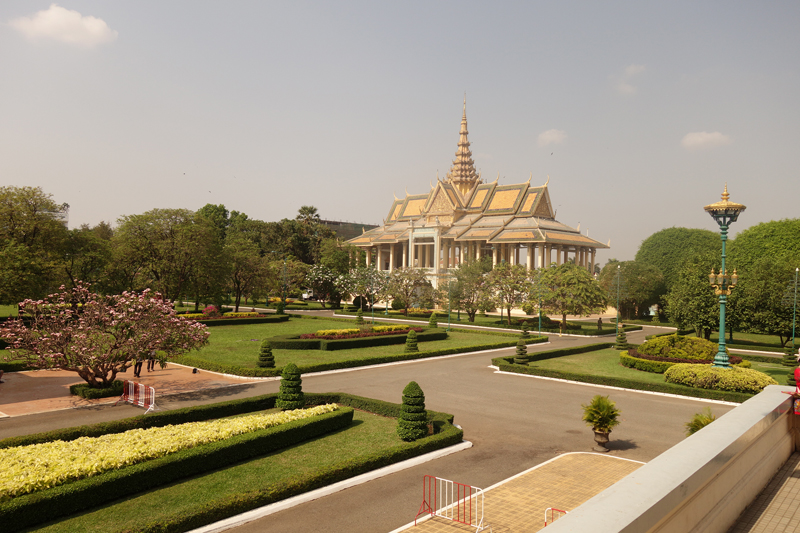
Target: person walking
(151,361)
(137,366)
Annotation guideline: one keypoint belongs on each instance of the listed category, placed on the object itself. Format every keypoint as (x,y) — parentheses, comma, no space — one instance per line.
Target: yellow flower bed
(27,469)
(336,332)
(380,329)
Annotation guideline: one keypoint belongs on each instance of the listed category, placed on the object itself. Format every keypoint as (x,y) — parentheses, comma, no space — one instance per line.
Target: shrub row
(333,334)
(268,319)
(740,380)
(445,434)
(50,504)
(506,366)
(292,342)
(85,391)
(561,352)
(669,361)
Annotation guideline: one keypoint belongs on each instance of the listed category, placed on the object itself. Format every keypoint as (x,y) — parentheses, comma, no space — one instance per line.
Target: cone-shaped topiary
(433,322)
(359,316)
(411,341)
(291,391)
(413,421)
(521,357)
(265,357)
(622,341)
(525,331)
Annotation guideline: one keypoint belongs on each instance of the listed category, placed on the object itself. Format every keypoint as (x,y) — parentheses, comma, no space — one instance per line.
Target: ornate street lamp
(724,213)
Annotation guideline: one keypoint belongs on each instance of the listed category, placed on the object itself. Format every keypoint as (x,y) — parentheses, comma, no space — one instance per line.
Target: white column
(496,255)
(369,255)
(530,256)
(391,257)
(591,263)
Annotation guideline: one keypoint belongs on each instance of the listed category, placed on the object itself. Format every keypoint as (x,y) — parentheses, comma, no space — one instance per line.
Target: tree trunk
(563,322)
(509,315)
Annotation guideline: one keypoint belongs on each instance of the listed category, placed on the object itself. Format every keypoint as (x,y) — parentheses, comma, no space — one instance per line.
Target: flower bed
(357,334)
(40,466)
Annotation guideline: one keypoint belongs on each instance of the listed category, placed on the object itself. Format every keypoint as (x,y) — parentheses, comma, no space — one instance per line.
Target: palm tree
(307,214)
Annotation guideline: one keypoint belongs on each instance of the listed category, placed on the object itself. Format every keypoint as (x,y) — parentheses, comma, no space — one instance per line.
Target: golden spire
(462,173)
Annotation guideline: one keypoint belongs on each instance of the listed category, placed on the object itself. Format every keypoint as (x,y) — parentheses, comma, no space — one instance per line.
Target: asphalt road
(515,422)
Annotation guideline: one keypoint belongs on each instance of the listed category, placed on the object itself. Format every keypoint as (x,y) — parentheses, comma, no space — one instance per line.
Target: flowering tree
(363,281)
(99,336)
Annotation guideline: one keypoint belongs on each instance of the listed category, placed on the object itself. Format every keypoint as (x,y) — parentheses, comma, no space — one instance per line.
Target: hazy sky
(638,111)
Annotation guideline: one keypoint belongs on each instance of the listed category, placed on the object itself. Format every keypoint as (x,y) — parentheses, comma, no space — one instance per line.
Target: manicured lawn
(751,338)
(368,435)
(606,363)
(8,310)
(239,345)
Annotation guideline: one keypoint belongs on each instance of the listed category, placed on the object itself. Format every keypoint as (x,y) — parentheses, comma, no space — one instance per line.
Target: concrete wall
(703,483)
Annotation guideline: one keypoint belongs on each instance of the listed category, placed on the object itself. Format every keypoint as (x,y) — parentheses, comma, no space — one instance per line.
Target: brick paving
(777,508)
(519,503)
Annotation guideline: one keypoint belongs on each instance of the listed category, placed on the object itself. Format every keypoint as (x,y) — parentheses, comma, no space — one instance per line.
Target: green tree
(759,298)
(169,246)
(691,301)
(472,289)
(86,254)
(247,270)
(307,214)
(413,421)
(569,289)
(670,249)
(405,285)
(31,240)
(511,285)
(643,286)
(777,240)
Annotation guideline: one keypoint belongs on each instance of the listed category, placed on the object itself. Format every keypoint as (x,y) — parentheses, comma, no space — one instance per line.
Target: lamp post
(724,213)
(618,284)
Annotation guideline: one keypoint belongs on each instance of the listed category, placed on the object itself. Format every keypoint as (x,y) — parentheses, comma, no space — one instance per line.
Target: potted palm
(601,414)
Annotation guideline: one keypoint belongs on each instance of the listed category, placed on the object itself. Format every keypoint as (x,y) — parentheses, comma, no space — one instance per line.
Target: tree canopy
(641,286)
(670,249)
(569,289)
(777,239)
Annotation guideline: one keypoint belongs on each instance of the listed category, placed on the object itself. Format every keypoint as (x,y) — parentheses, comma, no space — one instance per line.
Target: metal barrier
(453,501)
(553,516)
(138,394)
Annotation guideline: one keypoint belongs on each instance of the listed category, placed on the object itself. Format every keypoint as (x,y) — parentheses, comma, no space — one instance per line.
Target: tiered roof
(464,209)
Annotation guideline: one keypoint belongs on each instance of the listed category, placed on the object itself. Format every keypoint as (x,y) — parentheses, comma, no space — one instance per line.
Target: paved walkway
(776,509)
(519,503)
(42,391)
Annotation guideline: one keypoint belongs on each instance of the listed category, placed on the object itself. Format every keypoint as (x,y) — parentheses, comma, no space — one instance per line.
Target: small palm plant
(602,415)
(699,421)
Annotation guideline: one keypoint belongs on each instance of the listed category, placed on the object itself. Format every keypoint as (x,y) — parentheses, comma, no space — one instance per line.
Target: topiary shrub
(732,379)
(433,322)
(622,341)
(790,360)
(265,357)
(279,308)
(680,347)
(699,421)
(521,357)
(291,390)
(525,331)
(413,421)
(411,342)
(359,317)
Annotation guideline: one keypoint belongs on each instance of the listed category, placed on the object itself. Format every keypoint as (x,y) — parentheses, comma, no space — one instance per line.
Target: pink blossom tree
(99,336)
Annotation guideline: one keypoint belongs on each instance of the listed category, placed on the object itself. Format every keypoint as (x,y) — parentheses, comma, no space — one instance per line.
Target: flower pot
(601,438)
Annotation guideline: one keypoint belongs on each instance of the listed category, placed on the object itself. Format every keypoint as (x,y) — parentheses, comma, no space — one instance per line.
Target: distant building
(463,217)
(347,230)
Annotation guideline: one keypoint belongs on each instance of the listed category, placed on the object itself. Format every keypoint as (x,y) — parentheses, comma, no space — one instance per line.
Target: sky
(639,112)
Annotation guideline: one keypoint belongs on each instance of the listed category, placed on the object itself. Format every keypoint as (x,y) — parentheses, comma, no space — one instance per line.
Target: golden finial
(498,178)
(430,183)
(437,174)
(395,196)
(725,194)
(406,191)
(548,180)
(530,178)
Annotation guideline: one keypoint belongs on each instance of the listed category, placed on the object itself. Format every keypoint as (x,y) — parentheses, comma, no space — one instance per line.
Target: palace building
(462,218)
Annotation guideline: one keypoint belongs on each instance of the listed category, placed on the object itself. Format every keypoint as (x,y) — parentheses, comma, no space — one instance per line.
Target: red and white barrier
(453,501)
(138,394)
(553,515)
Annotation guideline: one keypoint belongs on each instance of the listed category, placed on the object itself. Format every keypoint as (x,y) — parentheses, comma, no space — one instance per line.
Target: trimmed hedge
(659,365)
(236,321)
(50,504)
(734,379)
(561,352)
(85,391)
(292,342)
(506,366)
(445,434)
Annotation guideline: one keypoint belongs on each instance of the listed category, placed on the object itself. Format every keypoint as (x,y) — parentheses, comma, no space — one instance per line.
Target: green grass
(8,310)
(752,338)
(369,434)
(239,345)
(606,363)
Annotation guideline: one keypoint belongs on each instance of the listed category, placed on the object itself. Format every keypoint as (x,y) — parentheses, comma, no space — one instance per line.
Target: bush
(411,342)
(658,365)
(84,390)
(601,414)
(699,421)
(679,347)
(211,311)
(291,389)
(413,422)
(265,357)
(726,379)
(359,317)
(521,357)
(433,322)
(279,308)
(622,341)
